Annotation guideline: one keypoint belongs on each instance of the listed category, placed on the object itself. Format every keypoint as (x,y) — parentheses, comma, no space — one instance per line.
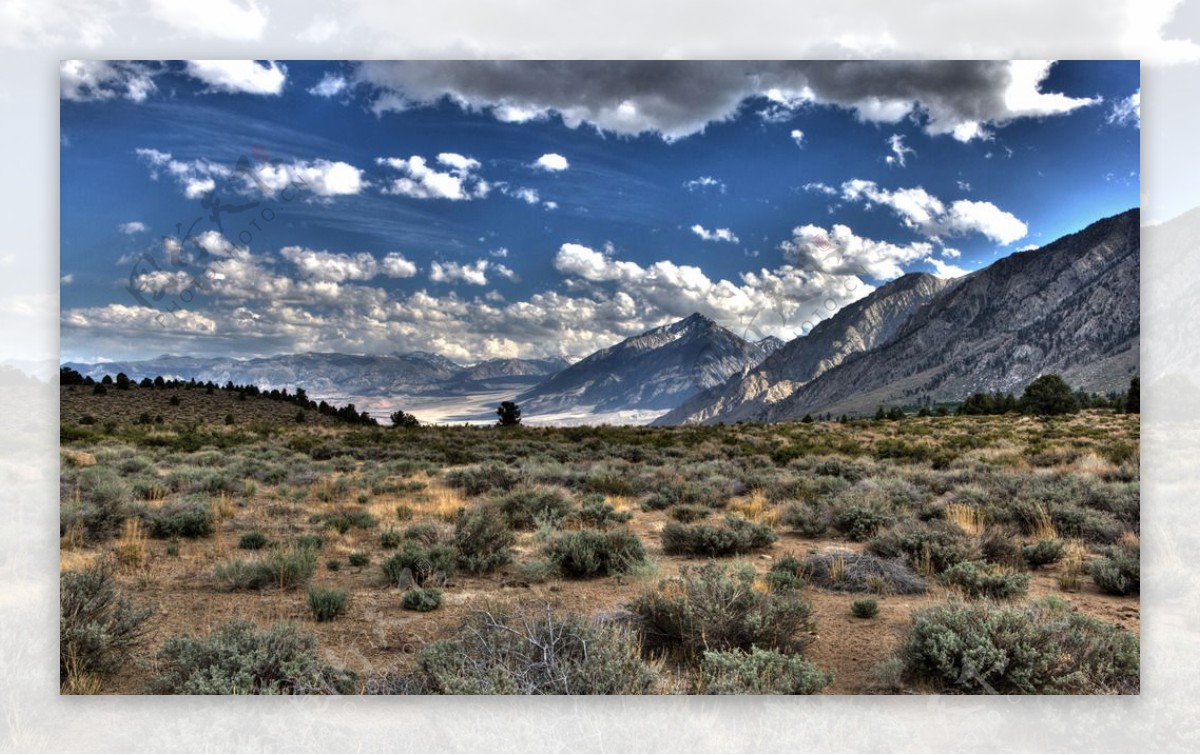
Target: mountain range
(1070,307)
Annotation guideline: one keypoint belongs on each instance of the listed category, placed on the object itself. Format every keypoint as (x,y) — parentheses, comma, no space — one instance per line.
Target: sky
(483,209)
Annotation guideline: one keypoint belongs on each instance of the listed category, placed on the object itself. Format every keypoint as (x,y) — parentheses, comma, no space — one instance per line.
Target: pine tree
(1049,395)
(509,414)
(1133,399)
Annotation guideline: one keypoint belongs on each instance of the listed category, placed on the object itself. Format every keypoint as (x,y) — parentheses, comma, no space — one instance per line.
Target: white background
(35,35)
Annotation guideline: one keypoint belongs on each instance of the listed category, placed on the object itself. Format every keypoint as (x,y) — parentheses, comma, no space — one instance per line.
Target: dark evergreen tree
(1133,398)
(404,419)
(1049,395)
(509,414)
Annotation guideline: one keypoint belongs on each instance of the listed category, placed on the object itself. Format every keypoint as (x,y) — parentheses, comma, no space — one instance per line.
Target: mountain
(653,371)
(858,327)
(329,375)
(1070,307)
(771,344)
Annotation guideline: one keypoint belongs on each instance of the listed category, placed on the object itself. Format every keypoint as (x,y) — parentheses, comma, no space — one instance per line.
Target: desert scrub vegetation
(483,540)
(419,564)
(283,567)
(528,508)
(735,536)
(327,603)
(1119,571)
(1043,648)
(850,572)
(583,554)
(714,607)
(759,672)
(978,580)
(98,627)
(237,659)
(531,652)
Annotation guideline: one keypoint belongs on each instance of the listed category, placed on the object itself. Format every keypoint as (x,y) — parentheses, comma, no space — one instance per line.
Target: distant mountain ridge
(655,370)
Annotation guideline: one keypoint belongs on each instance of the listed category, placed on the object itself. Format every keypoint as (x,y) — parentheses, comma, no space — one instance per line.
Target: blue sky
(485,210)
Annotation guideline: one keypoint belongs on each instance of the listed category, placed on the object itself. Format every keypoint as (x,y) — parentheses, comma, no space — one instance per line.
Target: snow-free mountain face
(1070,307)
(856,328)
(653,371)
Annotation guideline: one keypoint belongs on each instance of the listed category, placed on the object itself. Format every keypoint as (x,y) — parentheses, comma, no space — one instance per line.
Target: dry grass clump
(847,571)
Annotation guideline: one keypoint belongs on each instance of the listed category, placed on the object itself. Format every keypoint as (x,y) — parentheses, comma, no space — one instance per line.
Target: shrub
(333,564)
(809,519)
(1001,547)
(931,546)
(528,508)
(282,568)
(865,608)
(712,608)
(482,479)
(1037,649)
(759,672)
(237,659)
(359,559)
(342,521)
(389,539)
(97,626)
(535,652)
(593,553)
(425,533)
(688,513)
(595,512)
(419,564)
(310,541)
(423,599)
(327,603)
(483,539)
(536,571)
(786,574)
(1119,572)
(190,519)
(978,580)
(252,541)
(847,571)
(860,522)
(1043,552)
(734,537)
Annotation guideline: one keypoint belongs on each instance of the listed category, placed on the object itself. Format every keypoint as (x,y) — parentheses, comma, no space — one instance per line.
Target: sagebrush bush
(860,522)
(786,574)
(425,533)
(733,537)
(713,608)
(528,508)
(418,564)
(534,652)
(865,608)
(482,479)
(390,539)
(422,599)
(688,512)
(934,545)
(759,672)
(327,603)
(359,559)
(595,553)
(809,519)
(285,568)
(979,580)
(483,540)
(190,519)
(1119,572)
(343,520)
(252,541)
(1043,648)
(595,512)
(311,541)
(847,571)
(98,627)
(1043,552)
(236,659)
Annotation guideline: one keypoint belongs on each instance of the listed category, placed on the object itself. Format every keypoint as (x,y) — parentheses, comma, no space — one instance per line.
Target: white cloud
(900,151)
(717,234)
(964,185)
(550,204)
(928,215)
(839,251)
(324,178)
(244,76)
(419,181)
(821,188)
(1127,112)
(67,279)
(705,182)
(93,80)
(499,253)
(335,267)
(226,19)
(474,273)
(132,227)
(798,137)
(526,195)
(552,162)
(330,85)
(396,265)
(197,177)
(944,269)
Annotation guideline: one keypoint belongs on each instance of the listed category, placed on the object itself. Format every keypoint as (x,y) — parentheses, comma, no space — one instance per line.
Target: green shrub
(252,541)
(482,479)
(860,522)
(190,519)
(359,559)
(1119,572)
(786,574)
(528,508)
(809,519)
(419,564)
(595,512)
(310,541)
(425,533)
(483,540)
(688,513)
(390,539)
(284,568)
(342,521)
(404,513)
(327,603)
(979,580)
(1043,552)
(759,672)
(735,536)
(423,599)
(534,652)
(237,660)
(536,571)
(1038,649)
(936,545)
(593,553)
(97,626)
(712,608)
(865,608)
(333,564)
